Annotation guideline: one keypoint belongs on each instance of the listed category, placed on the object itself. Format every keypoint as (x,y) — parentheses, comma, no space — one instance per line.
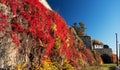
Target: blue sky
(101,17)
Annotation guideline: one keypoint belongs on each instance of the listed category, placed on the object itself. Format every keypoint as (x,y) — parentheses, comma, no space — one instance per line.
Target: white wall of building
(44,2)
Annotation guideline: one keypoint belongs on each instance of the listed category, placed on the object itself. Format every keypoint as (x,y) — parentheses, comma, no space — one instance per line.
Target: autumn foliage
(97,42)
(114,58)
(42,35)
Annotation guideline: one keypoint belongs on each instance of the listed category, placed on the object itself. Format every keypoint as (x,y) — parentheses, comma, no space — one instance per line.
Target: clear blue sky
(101,17)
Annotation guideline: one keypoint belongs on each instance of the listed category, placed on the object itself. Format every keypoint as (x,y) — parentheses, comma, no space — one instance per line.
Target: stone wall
(8,51)
(87,41)
(102,51)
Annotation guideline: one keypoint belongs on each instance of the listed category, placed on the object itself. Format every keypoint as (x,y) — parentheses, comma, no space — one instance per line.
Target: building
(44,2)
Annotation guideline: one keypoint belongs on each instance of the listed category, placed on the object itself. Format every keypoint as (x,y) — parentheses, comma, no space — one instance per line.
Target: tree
(79,29)
(75,27)
(105,46)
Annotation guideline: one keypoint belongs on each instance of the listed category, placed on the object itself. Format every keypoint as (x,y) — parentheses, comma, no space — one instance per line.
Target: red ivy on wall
(30,16)
(42,24)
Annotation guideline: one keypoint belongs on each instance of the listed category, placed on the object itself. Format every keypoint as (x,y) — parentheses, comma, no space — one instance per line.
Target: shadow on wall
(106,58)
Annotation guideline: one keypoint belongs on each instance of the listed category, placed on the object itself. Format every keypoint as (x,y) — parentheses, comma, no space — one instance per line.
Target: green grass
(108,66)
(101,67)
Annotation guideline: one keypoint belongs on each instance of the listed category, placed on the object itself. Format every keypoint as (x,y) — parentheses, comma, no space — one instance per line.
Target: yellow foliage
(66,61)
(37,68)
(41,43)
(57,43)
(46,65)
(20,66)
(68,41)
(101,62)
(53,27)
(82,62)
(68,66)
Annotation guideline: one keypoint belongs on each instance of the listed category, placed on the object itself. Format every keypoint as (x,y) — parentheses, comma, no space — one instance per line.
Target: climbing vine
(42,32)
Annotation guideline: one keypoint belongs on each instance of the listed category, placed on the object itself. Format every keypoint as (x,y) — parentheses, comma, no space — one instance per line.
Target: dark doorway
(106,58)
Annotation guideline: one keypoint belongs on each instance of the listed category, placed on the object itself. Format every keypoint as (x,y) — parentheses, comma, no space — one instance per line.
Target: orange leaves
(97,42)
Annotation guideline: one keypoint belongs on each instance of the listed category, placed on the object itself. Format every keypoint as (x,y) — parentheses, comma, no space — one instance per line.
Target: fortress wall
(87,41)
